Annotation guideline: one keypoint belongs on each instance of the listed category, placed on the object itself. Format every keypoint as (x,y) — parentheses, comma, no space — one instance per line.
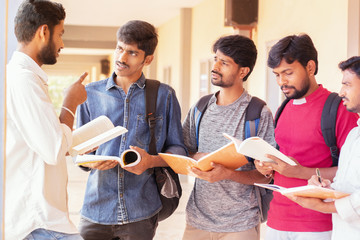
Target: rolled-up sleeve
(348,208)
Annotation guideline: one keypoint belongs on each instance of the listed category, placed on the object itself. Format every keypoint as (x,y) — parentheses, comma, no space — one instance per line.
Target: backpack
(167,180)
(252,119)
(328,123)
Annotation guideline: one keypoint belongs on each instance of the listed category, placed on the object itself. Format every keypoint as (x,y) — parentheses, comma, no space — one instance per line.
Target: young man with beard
(298,134)
(37,140)
(223,204)
(123,203)
(345,211)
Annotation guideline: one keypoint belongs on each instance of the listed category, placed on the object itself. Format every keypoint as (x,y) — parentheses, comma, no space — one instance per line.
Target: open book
(227,156)
(128,158)
(93,134)
(306,191)
(257,148)
(232,155)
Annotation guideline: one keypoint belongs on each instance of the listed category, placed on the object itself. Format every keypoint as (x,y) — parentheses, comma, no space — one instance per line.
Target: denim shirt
(116,196)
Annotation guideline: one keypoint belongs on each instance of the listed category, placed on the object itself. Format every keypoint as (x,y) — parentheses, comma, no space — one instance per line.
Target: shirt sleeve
(189,131)
(348,208)
(266,126)
(174,142)
(83,117)
(33,113)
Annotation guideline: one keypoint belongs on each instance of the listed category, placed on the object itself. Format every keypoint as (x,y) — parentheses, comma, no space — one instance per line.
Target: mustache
(213,71)
(122,63)
(286,86)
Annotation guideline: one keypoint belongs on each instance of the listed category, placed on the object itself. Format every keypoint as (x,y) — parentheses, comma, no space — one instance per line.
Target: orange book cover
(227,156)
(307,191)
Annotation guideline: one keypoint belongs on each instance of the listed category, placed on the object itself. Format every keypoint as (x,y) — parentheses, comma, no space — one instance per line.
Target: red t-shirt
(298,134)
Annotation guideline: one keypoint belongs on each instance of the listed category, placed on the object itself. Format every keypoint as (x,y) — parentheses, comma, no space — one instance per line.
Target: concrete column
(8,44)
(353,28)
(185,59)
(3,60)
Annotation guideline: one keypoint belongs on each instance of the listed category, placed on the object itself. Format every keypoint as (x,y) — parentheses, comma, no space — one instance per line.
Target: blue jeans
(142,230)
(43,234)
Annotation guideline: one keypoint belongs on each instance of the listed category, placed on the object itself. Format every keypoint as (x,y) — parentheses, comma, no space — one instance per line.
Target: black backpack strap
(277,115)
(199,110)
(151,92)
(252,116)
(167,180)
(328,125)
(279,111)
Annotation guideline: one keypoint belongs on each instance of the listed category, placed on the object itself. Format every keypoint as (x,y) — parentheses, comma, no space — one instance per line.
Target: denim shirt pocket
(143,133)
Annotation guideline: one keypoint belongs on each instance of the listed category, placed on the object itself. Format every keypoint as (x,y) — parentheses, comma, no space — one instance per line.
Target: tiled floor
(170,229)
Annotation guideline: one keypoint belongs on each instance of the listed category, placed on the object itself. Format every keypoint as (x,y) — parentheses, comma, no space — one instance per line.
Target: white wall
(325,21)
(168,51)
(208,26)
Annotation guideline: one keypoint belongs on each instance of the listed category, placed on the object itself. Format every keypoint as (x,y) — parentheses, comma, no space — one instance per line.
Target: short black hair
(293,48)
(241,49)
(141,33)
(34,13)
(352,64)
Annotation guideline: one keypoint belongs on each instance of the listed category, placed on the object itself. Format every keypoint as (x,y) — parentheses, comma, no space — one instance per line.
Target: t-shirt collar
(309,98)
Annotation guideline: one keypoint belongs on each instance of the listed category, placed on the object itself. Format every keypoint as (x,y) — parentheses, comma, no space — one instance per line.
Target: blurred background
(187,29)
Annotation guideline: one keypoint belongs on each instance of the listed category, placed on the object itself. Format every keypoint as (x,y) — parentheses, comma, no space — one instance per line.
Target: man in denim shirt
(123,203)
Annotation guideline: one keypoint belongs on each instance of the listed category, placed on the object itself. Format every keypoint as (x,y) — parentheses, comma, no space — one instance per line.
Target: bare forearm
(314,204)
(67,118)
(306,173)
(248,177)
(328,207)
(157,161)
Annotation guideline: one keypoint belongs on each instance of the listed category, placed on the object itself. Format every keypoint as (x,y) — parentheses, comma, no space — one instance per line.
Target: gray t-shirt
(224,206)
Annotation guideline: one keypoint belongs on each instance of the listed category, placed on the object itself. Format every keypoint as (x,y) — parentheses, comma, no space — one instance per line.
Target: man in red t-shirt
(298,134)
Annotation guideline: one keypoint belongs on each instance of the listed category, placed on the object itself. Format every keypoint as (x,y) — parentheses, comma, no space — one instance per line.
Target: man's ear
(311,67)
(244,71)
(43,32)
(148,59)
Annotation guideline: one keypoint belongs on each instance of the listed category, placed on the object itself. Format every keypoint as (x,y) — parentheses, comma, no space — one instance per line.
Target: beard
(219,82)
(47,55)
(298,93)
(354,109)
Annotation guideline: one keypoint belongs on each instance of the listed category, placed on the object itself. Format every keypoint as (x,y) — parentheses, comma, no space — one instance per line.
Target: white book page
(302,188)
(257,148)
(98,140)
(91,129)
(88,158)
(94,158)
(271,187)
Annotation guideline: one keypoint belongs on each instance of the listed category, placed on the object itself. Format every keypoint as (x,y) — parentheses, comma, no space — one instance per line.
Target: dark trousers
(142,230)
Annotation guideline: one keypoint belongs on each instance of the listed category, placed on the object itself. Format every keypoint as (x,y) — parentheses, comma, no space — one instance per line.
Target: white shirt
(36,144)
(346,223)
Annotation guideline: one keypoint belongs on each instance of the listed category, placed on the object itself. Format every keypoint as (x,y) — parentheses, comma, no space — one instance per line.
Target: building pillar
(353,28)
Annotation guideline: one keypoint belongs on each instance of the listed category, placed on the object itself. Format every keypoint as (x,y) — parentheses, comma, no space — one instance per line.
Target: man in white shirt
(36,139)
(346,211)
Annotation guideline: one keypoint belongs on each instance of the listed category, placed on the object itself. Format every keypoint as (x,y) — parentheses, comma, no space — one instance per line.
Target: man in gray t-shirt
(223,202)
